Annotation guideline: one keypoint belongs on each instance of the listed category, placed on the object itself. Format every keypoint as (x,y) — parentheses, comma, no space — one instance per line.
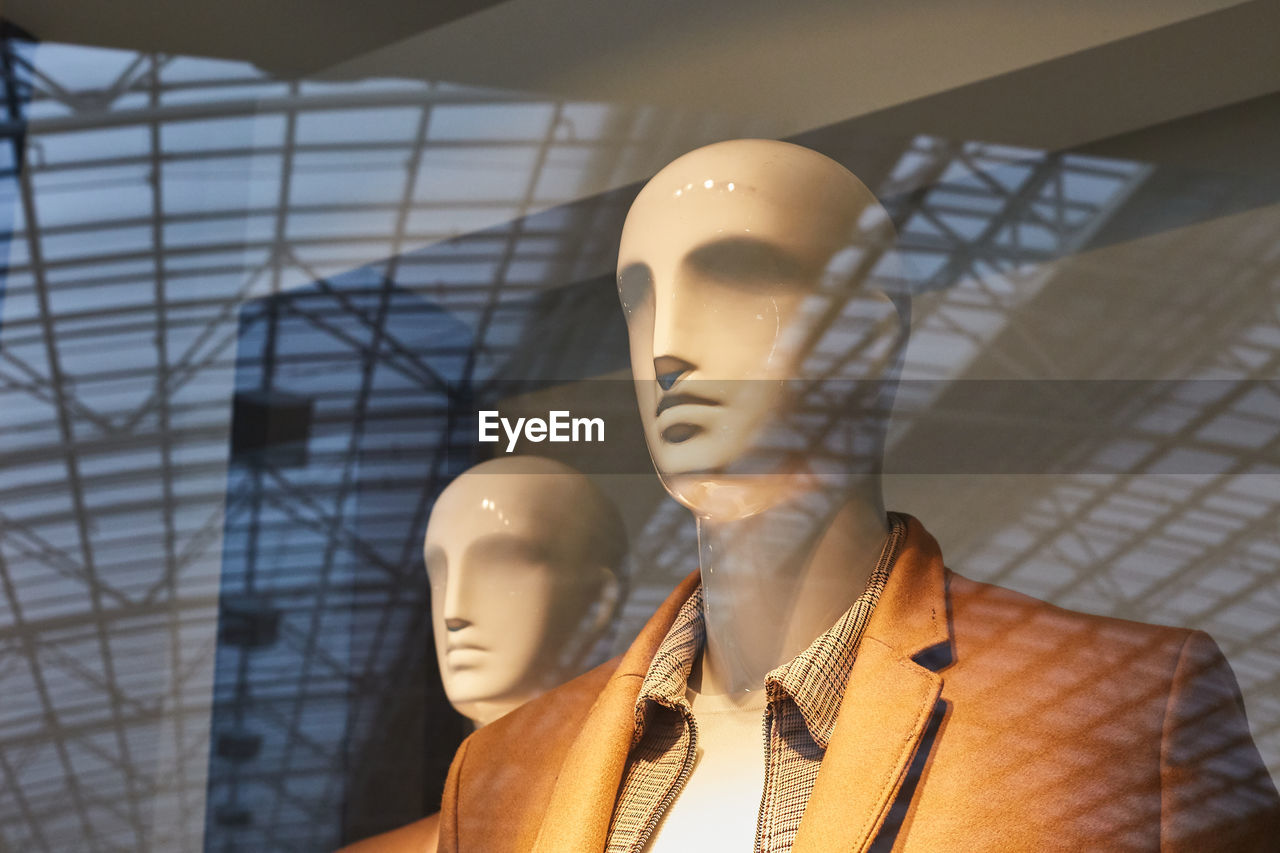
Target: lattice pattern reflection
(169,204)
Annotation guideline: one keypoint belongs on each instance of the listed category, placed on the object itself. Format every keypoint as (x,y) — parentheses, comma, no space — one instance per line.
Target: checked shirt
(803,699)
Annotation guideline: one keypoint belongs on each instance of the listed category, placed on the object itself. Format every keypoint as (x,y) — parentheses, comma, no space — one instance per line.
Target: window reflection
(237,313)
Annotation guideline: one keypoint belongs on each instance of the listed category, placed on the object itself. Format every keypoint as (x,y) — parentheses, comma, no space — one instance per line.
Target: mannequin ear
(606,603)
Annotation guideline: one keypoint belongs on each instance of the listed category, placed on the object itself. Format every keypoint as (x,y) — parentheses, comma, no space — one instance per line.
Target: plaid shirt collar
(814,680)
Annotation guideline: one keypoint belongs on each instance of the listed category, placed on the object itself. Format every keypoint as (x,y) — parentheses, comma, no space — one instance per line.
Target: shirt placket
(689,742)
(765,818)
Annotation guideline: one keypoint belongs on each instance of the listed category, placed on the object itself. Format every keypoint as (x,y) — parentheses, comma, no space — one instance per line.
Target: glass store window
(335,349)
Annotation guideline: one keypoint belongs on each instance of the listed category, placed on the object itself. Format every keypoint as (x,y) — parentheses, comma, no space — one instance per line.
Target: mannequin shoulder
(543,725)
(503,775)
(986,619)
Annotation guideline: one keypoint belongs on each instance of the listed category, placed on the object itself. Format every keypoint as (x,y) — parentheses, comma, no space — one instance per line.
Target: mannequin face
(512,582)
(729,261)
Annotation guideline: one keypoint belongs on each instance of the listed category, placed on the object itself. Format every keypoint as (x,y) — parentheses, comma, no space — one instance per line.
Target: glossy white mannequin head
(523,555)
(743,270)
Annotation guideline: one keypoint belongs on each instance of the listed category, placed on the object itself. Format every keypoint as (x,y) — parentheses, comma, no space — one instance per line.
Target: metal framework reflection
(163,210)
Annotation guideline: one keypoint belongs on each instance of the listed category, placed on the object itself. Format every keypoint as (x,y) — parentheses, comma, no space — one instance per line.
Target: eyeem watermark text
(559,426)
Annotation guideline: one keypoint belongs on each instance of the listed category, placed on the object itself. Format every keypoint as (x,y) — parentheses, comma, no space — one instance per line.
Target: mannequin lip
(462,659)
(672,400)
(678,433)
(463,646)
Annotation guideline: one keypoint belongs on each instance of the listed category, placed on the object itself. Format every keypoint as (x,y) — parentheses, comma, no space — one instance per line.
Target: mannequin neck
(774,582)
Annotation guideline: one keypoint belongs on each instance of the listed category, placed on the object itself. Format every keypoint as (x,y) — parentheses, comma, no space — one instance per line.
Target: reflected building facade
(347,419)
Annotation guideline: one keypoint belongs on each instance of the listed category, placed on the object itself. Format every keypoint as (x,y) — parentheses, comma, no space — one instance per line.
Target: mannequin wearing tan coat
(524,558)
(766,345)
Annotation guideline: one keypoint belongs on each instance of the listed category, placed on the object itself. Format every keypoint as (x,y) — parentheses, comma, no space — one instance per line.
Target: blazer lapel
(887,706)
(885,711)
(577,817)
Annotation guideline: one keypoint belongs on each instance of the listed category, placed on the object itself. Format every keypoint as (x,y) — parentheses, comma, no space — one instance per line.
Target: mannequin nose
(677,331)
(669,369)
(455,610)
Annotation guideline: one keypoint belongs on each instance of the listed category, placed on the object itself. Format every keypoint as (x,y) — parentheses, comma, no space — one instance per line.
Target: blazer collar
(911,616)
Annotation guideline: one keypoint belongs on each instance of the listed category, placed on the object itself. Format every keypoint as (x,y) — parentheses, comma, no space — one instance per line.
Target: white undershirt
(720,803)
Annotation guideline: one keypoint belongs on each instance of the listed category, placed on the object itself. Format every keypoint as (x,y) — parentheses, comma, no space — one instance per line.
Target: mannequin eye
(635,286)
(508,551)
(747,263)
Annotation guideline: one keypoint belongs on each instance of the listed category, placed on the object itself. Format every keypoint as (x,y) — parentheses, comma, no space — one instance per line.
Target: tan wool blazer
(975,719)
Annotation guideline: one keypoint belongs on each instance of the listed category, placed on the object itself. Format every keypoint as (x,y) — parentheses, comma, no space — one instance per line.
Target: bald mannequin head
(523,556)
(742,270)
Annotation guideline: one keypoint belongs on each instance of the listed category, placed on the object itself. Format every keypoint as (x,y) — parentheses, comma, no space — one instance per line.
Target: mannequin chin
(522,554)
(732,497)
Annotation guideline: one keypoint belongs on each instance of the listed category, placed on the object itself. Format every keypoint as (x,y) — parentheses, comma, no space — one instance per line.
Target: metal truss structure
(237,313)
